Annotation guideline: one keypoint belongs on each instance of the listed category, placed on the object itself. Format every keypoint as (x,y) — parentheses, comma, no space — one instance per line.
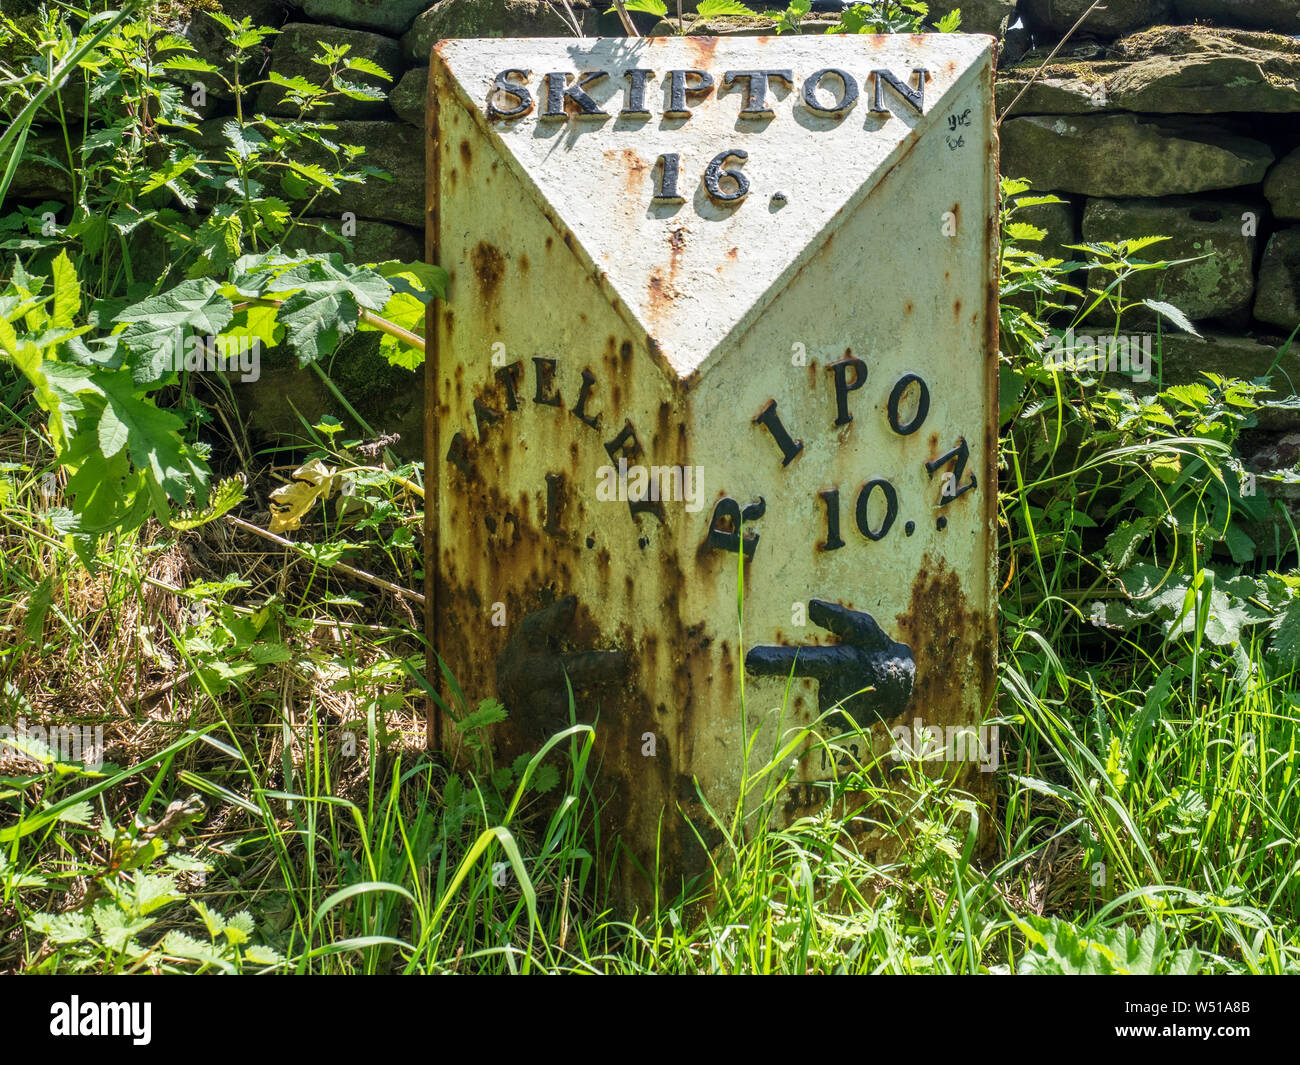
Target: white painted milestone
(721,321)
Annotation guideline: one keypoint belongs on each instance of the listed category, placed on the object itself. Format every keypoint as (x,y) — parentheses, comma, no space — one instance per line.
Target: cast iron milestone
(721,312)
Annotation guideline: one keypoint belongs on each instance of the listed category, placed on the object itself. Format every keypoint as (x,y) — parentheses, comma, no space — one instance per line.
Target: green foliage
(789,20)
(126,457)
(1157,469)
(715,8)
(1058,948)
(893,16)
(155,199)
(1150,638)
(134,884)
(873,16)
(646,7)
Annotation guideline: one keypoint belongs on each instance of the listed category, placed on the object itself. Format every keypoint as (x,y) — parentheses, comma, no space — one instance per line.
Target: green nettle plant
(137,881)
(1158,470)
(874,16)
(126,458)
(97,343)
(893,16)
(154,196)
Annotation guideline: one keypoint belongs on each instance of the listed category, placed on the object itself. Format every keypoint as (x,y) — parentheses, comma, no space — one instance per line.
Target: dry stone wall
(1179,118)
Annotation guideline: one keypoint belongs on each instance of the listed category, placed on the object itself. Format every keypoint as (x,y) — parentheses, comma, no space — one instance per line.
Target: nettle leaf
(168,174)
(244,141)
(489,712)
(171,42)
(1035,201)
(1168,310)
(1195,396)
(312,174)
(154,440)
(648,7)
(250,37)
(110,137)
(354,90)
(297,84)
(714,8)
(326,303)
(191,63)
(196,304)
(1127,538)
(227,495)
(1286,636)
(274,213)
(362,65)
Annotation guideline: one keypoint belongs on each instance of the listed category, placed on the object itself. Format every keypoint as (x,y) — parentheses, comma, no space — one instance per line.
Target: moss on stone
(1173,40)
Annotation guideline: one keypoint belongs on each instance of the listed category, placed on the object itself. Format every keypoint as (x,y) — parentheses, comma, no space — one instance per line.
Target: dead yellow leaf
(291,501)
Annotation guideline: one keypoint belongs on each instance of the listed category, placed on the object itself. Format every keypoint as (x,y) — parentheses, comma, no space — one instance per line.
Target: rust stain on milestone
(676,246)
(489,269)
(632,166)
(944,632)
(702,49)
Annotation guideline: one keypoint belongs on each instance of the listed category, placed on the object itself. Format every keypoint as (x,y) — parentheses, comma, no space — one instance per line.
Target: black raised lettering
(504,85)
(952,486)
(896,401)
(627,446)
(844,102)
(484,417)
(580,408)
(915,97)
(557,94)
(554,502)
(891,508)
(843,386)
(458,455)
(725,525)
(636,85)
(756,88)
(545,392)
(714,174)
(679,89)
(508,377)
(771,421)
(831,497)
(669,174)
